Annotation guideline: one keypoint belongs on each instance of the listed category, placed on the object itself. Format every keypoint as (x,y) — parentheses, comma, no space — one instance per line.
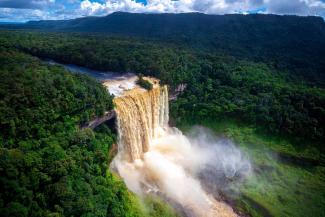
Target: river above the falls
(101,76)
(115,82)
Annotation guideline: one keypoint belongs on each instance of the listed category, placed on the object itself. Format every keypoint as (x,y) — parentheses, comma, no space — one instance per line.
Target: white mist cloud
(187,170)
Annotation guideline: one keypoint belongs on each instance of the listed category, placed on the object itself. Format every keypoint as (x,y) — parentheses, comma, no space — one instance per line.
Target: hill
(187,25)
(256,79)
(292,43)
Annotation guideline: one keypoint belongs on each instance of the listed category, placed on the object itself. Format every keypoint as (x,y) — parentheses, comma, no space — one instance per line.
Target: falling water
(155,158)
(140,116)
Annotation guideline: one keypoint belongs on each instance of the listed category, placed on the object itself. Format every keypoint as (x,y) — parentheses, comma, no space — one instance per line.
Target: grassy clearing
(156,207)
(279,186)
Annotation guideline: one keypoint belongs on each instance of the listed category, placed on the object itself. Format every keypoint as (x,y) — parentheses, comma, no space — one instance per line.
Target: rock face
(178,90)
(98,121)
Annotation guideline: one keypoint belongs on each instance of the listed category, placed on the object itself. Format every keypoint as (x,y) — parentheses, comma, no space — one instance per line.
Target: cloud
(25,4)
(67,9)
(18,15)
(298,7)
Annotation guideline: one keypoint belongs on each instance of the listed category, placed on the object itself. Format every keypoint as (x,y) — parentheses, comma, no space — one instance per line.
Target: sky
(24,10)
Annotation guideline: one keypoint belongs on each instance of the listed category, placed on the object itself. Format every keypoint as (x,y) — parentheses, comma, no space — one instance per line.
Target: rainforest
(163,115)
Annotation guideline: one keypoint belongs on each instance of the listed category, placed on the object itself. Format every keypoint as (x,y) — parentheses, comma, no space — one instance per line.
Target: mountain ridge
(141,20)
(287,42)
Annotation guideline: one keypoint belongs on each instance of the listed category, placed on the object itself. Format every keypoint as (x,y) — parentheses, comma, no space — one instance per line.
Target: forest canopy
(295,43)
(49,166)
(273,98)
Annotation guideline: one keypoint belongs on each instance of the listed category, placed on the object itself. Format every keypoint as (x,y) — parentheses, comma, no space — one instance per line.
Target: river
(115,82)
(101,76)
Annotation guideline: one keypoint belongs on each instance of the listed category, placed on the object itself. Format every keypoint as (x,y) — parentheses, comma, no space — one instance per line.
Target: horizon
(162,108)
(20,11)
(281,15)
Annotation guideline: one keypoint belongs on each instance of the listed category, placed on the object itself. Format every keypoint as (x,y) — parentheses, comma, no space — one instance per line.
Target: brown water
(140,115)
(153,157)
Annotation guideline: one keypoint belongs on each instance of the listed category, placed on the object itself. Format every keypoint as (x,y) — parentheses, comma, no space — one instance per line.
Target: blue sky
(24,10)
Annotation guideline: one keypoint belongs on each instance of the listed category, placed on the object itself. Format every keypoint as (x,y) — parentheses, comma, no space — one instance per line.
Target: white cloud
(26,4)
(299,7)
(18,15)
(60,9)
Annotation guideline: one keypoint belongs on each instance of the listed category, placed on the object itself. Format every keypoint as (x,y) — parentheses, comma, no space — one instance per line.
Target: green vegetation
(265,73)
(274,99)
(280,185)
(286,42)
(104,53)
(144,83)
(155,207)
(48,166)
(256,94)
(35,95)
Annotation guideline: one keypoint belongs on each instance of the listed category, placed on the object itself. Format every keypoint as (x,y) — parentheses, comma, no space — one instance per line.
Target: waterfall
(141,115)
(153,157)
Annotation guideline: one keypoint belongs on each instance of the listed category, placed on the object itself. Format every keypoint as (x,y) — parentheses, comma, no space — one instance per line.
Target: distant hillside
(286,42)
(202,28)
(186,25)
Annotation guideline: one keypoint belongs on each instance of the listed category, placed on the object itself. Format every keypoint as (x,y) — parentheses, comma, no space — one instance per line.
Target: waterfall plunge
(141,115)
(153,157)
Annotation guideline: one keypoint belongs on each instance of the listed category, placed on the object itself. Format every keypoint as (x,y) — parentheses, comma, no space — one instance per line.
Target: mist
(187,170)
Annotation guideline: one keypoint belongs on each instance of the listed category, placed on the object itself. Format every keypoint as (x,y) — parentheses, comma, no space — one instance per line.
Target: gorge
(87,129)
(154,158)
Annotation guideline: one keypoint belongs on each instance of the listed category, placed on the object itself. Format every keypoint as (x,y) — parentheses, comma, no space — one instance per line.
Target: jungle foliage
(287,42)
(274,99)
(48,165)
(267,76)
(144,83)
